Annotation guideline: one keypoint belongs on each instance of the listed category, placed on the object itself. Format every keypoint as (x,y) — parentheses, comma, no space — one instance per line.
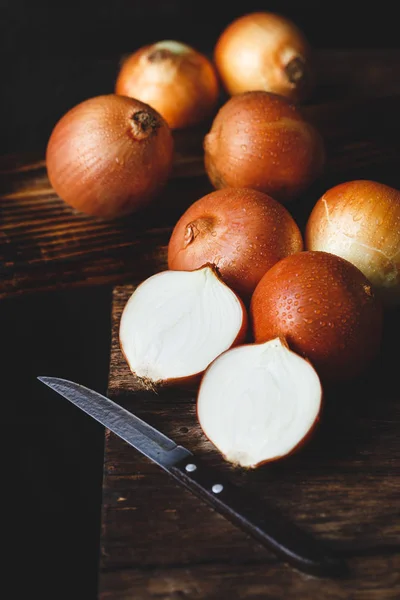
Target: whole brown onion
(360,221)
(260,140)
(265,51)
(242,232)
(325,308)
(176,80)
(109,155)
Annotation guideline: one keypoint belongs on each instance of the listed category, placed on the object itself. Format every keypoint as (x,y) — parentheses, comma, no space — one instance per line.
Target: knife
(265,523)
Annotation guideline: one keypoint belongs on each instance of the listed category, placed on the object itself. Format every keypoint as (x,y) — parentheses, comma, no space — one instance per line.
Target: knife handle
(262,521)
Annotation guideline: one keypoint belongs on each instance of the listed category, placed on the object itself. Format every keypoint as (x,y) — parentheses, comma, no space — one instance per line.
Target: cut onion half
(259,402)
(177,322)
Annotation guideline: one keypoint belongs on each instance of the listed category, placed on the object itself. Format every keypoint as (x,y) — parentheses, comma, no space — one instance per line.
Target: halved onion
(259,402)
(177,322)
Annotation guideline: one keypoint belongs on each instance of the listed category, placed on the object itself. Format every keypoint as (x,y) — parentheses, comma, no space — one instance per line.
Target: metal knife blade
(261,520)
(142,436)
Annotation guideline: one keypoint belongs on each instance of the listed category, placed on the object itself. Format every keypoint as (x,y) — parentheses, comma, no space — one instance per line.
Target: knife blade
(264,522)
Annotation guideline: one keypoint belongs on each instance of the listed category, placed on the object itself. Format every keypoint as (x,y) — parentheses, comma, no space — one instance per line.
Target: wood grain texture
(44,245)
(159,541)
(372,579)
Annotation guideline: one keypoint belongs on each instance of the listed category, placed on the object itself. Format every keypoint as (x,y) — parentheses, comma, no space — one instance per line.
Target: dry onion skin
(242,232)
(360,221)
(259,402)
(176,323)
(109,156)
(265,51)
(325,308)
(176,80)
(260,140)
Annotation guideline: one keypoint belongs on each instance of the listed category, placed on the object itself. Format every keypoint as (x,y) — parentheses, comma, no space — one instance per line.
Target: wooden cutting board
(159,541)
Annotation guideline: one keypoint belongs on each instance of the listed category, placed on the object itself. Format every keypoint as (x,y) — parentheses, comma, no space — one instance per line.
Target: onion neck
(167,50)
(295,70)
(202,226)
(159,55)
(144,124)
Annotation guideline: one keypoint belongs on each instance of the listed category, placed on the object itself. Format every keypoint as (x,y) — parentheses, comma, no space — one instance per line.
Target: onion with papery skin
(260,140)
(325,308)
(360,221)
(265,51)
(176,323)
(242,232)
(259,402)
(176,80)
(109,156)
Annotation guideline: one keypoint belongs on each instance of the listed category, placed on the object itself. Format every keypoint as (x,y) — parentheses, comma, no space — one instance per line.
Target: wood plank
(159,541)
(45,245)
(372,579)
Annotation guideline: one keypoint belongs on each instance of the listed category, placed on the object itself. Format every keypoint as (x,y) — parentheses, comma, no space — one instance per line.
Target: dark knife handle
(263,522)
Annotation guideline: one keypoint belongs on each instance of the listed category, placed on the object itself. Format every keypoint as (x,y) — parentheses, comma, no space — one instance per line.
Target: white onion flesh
(176,323)
(258,402)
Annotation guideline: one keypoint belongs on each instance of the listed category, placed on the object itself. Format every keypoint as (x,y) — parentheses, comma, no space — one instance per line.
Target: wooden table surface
(157,540)
(44,245)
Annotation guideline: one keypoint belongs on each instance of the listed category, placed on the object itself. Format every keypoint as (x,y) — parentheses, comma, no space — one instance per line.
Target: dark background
(53,55)
(48,47)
